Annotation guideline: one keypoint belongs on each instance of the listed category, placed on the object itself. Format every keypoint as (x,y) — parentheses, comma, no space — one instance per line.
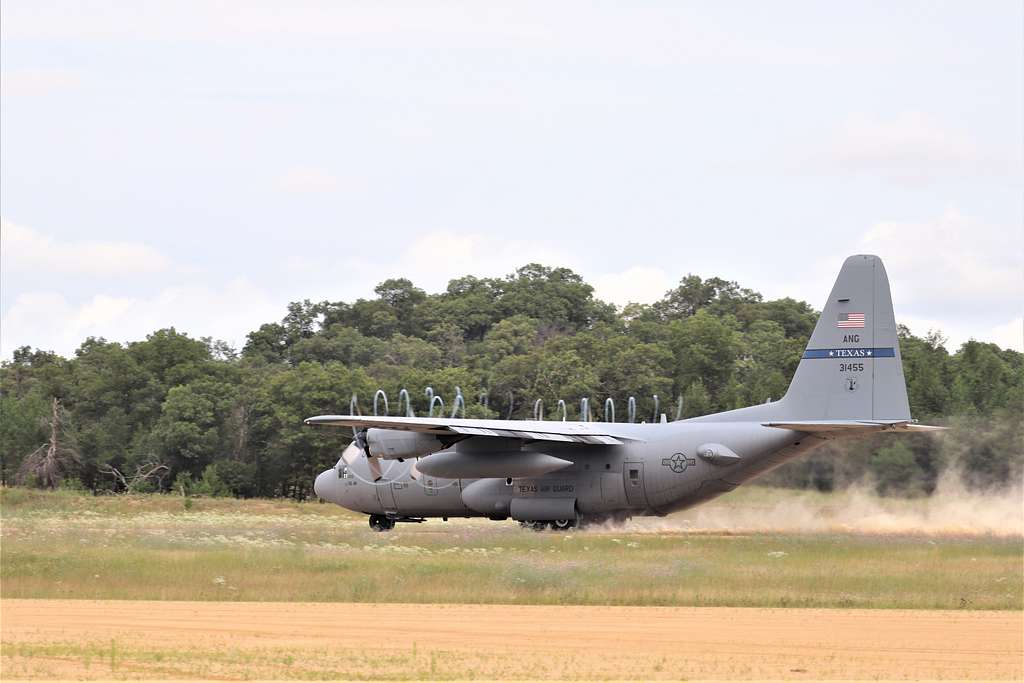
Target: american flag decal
(850,320)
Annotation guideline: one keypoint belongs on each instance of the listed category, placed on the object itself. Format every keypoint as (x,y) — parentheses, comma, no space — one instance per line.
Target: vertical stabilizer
(851,369)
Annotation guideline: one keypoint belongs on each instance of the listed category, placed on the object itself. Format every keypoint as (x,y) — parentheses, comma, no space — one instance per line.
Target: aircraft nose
(322,484)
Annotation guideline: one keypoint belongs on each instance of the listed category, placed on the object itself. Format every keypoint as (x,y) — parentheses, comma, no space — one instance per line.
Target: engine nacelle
(392,444)
(462,465)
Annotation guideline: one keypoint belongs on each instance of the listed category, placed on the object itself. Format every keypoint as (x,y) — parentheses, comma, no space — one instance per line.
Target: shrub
(895,470)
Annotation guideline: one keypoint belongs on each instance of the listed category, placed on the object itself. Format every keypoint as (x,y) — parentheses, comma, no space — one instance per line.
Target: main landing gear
(381,523)
(556,525)
(386,523)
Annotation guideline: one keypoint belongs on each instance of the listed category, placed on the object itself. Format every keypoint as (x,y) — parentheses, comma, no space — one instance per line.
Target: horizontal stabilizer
(816,426)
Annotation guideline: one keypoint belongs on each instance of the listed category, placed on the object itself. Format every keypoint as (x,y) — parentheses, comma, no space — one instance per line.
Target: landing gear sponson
(386,523)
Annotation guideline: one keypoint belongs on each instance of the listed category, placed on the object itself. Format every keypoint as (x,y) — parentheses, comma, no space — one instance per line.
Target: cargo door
(633,476)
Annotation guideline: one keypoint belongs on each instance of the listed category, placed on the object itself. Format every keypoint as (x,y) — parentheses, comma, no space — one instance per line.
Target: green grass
(69,545)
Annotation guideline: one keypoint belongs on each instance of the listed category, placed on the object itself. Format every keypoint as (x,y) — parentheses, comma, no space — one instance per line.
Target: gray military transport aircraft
(547,473)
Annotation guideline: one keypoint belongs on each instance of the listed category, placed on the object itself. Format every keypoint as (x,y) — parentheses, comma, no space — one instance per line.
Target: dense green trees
(221,421)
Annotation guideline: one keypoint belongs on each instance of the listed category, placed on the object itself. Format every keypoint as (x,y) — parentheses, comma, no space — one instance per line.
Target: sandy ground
(129,639)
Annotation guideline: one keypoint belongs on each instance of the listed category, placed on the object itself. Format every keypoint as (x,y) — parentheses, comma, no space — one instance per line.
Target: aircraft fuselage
(677,465)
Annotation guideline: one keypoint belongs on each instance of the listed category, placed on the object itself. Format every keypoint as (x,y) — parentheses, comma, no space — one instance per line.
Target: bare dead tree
(51,462)
(151,471)
(239,425)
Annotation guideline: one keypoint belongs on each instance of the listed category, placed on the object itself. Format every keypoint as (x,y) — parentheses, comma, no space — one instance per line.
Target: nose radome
(321,485)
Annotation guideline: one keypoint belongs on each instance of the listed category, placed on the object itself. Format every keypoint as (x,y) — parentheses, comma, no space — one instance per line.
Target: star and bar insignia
(678,462)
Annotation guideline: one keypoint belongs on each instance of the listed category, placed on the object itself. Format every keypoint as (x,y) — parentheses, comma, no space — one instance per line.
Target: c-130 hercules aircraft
(849,383)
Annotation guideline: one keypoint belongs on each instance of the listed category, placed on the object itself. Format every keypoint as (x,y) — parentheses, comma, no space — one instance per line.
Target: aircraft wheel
(381,523)
(563,524)
(537,526)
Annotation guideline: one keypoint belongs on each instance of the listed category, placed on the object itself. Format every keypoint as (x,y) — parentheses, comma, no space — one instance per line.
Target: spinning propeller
(359,438)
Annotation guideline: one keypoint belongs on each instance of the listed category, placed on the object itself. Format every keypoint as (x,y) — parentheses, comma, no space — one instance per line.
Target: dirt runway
(130,639)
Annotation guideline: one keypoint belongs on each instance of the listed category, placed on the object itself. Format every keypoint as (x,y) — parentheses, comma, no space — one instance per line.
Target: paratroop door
(633,473)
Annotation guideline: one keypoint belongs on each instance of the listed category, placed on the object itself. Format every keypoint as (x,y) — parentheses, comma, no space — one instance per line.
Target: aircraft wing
(812,426)
(528,430)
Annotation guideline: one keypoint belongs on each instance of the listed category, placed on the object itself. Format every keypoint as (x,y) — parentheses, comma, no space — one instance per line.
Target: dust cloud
(951,510)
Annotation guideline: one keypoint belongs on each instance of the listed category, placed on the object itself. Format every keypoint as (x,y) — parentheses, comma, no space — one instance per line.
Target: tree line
(173,412)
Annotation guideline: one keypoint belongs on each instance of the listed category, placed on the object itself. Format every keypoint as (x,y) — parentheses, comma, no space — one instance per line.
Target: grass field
(741,550)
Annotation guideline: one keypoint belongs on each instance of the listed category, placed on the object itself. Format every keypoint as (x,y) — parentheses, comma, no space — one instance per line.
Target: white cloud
(28,82)
(910,147)
(956,332)
(441,255)
(649,35)
(953,273)
(25,249)
(909,138)
(47,320)
(430,261)
(638,284)
(302,179)
(1010,335)
(951,265)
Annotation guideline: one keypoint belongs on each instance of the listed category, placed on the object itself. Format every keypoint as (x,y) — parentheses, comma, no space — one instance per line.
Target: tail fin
(852,368)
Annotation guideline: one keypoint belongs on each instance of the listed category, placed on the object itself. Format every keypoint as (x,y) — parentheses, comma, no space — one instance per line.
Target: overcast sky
(201,164)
